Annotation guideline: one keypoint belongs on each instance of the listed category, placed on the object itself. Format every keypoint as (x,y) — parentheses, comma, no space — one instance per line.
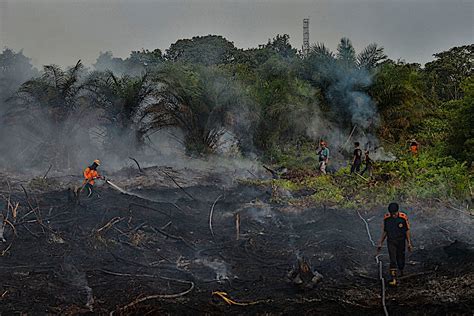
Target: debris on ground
(64,258)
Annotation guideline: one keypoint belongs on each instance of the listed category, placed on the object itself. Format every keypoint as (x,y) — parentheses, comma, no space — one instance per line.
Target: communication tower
(305,37)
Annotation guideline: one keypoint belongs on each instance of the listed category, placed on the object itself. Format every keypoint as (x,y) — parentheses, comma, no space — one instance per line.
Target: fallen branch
(138,165)
(111,223)
(210,215)
(166,226)
(237,226)
(177,184)
(160,296)
(6,250)
(365,179)
(13,239)
(252,173)
(454,208)
(224,296)
(349,138)
(26,193)
(50,166)
(24,216)
(27,198)
(459,210)
(149,208)
(150,297)
(273,172)
(14,211)
(11,225)
(173,237)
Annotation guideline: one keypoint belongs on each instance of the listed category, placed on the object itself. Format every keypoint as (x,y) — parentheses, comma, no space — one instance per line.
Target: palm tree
(120,99)
(343,78)
(52,107)
(399,93)
(346,53)
(201,102)
(370,56)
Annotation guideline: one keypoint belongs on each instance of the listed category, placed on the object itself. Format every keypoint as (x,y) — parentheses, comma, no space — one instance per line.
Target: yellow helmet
(97,162)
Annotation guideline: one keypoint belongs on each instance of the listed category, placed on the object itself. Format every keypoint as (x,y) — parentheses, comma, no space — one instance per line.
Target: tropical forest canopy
(263,99)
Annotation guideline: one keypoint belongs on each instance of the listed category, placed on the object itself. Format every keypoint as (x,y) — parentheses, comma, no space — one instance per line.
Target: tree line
(260,99)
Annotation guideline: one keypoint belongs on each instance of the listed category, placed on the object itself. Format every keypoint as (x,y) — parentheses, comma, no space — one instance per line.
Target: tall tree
(120,100)
(346,53)
(343,79)
(204,103)
(15,68)
(54,107)
(205,50)
(449,70)
(370,56)
(399,93)
(461,140)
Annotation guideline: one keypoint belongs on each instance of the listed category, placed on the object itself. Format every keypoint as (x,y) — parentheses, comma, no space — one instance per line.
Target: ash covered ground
(156,251)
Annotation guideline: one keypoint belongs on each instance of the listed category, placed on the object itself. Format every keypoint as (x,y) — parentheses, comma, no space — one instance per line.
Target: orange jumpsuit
(90,175)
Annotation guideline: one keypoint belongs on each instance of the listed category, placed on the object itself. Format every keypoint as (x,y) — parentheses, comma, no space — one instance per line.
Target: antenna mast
(305,37)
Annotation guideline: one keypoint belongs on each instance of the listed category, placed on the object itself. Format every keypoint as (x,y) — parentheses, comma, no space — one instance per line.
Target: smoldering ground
(160,242)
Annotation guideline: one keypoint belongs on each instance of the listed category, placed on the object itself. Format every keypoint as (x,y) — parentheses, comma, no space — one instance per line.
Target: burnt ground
(103,255)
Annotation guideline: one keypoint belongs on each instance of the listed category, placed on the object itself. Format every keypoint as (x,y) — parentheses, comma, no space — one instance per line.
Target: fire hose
(116,187)
(379,264)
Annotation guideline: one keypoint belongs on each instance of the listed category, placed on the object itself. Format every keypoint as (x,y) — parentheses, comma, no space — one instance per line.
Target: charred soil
(161,252)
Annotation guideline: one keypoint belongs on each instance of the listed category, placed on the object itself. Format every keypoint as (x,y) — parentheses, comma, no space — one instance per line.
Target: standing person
(414,147)
(368,164)
(90,174)
(397,231)
(323,157)
(357,158)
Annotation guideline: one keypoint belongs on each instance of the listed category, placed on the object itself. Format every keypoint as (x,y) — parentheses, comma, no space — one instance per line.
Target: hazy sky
(64,31)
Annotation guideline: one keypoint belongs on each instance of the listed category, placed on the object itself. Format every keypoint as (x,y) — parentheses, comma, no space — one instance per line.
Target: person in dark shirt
(396,229)
(357,159)
(368,164)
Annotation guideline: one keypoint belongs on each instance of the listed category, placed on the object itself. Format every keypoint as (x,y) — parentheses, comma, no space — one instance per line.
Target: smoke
(347,112)
(347,97)
(219,267)
(77,279)
(69,132)
(106,61)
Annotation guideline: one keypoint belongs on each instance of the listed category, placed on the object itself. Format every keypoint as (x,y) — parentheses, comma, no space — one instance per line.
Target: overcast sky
(63,31)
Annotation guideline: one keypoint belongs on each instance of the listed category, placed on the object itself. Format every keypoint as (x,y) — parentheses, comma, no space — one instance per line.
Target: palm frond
(346,52)
(370,56)
(320,51)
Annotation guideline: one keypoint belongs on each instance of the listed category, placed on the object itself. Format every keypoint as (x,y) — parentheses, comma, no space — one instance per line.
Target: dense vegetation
(269,101)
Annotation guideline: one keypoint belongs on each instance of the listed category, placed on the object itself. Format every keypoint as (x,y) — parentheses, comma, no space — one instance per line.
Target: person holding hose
(396,229)
(90,174)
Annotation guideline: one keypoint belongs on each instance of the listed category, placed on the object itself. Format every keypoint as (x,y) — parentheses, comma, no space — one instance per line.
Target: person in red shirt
(414,147)
(90,175)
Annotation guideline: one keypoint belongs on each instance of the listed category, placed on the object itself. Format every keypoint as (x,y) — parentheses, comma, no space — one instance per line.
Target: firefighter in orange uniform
(414,147)
(397,231)
(90,174)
